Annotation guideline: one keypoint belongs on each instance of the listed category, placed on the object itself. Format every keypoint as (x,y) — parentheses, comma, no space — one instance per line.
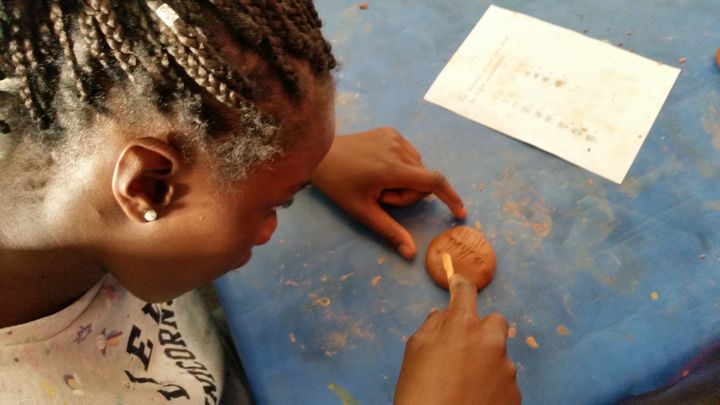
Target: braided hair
(63,55)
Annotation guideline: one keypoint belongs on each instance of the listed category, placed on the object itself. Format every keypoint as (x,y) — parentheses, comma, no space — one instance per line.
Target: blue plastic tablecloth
(618,285)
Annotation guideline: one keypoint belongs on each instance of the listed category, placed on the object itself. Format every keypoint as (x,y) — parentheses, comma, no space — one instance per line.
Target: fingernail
(458,279)
(406,251)
(463,212)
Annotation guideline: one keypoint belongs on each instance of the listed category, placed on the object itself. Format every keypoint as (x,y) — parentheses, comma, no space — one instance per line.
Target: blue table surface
(322,313)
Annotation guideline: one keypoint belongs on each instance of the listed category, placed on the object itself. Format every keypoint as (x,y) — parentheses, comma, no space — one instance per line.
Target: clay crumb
(381,260)
(682,60)
(346,276)
(292,338)
(478,225)
(559,83)
(654,296)
(376,280)
(685,373)
(512,331)
(701,257)
(532,342)
(717,58)
(363,6)
(562,330)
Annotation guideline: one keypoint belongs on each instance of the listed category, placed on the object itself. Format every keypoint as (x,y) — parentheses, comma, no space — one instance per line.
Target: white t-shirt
(109,347)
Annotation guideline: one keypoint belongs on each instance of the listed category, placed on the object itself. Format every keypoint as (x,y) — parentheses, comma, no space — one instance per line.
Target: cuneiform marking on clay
(464,245)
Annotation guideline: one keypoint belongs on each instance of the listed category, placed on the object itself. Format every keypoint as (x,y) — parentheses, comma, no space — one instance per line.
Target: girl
(145,148)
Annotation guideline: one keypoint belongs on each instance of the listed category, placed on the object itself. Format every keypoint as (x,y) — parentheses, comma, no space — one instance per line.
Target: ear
(144,177)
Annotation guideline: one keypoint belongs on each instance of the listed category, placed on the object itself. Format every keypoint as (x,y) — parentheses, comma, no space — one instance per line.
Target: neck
(38,283)
(42,267)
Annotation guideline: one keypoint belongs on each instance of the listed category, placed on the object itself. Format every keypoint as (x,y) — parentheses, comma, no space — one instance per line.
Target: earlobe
(144,178)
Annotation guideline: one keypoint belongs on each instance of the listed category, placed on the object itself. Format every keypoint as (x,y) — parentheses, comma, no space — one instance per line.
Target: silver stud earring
(150,215)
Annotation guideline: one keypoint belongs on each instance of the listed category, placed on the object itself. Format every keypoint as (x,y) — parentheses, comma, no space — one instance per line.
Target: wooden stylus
(447,265)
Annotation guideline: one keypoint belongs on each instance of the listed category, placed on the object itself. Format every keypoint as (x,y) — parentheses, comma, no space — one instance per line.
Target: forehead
(311,124)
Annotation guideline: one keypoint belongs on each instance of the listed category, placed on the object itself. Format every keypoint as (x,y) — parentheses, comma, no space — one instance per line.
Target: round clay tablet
(472,256)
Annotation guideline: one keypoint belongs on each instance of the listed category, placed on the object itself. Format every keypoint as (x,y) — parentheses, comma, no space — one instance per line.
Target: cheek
(221,240)
(266,230)
(234,238)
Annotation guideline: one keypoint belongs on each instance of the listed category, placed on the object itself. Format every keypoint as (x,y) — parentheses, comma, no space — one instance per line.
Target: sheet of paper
(581,99)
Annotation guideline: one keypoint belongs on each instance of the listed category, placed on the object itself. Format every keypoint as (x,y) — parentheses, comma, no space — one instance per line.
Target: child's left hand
(379,166)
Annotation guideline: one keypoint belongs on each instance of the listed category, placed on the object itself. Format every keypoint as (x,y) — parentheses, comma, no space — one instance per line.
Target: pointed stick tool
(447,265)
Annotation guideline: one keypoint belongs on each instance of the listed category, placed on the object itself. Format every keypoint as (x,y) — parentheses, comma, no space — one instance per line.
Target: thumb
(384,225)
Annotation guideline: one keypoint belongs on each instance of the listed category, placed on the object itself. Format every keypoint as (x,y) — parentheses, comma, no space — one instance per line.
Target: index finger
(447,194)
(421,179)
(463,295)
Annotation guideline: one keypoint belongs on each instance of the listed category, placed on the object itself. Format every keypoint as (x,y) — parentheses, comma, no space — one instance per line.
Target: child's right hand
(365,170)
(457,358)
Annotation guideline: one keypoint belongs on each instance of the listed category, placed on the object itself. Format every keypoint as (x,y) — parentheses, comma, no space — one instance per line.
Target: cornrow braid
(97,58)
(245,28)
(91,37)
(154,59)
(65,56)
(301,42)
(40,47)
(189,61)
(60,30)
(46,41)
(20,65)
(4,31)
(112,32)
(273,42)
(273,26)
(322,58)
(34,75)
(312,15)
(194,38)
(168,84)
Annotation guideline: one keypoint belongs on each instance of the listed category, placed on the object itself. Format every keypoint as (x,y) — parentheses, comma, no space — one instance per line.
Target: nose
(268,228)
